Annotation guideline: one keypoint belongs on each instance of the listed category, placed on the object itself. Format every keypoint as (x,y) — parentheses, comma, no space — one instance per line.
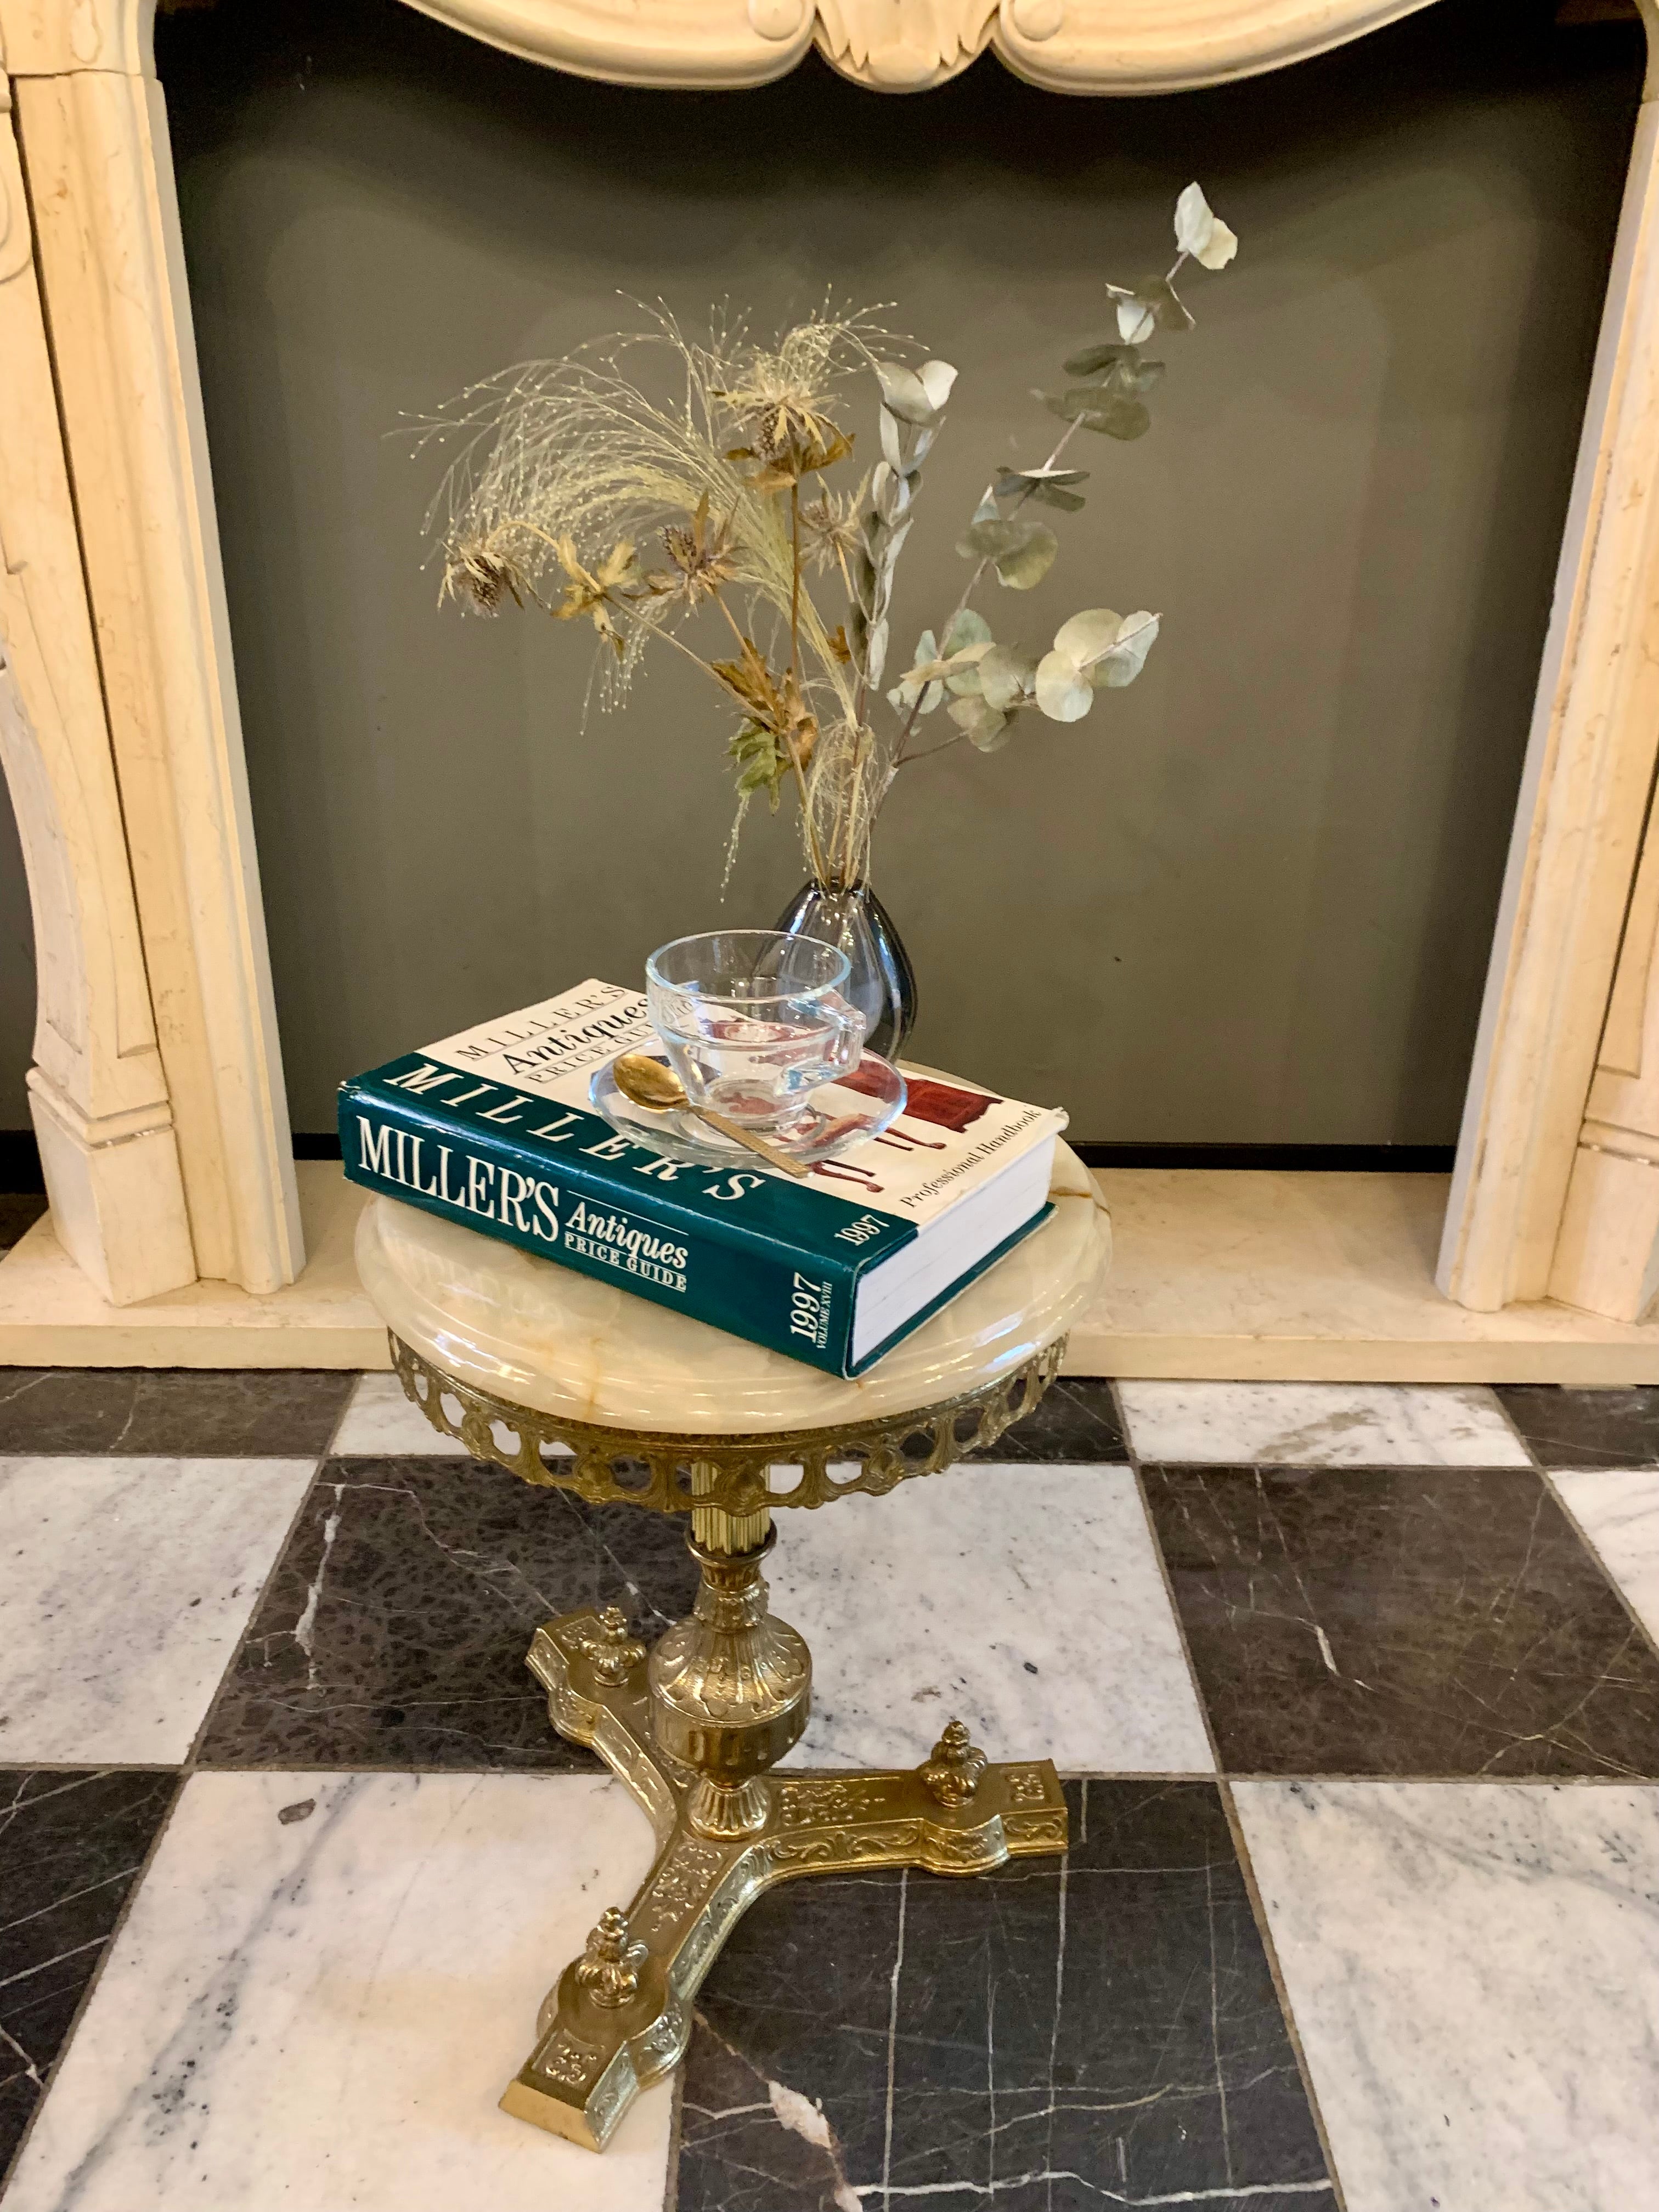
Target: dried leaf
(904,393)
(1136,636)
(1133,376)
(1135,320)
(1014,480)
(822,453)
(1201,232)
(1030,563)
(1087,636)
(1006,676)
(1063,692)
(751,683)
(985,729)
(936,379)
(1048,486)
(968,629)
(1096,650)
(1092,407)
(918,687)
(1168,313)
(890,492)
(988,535)
(1094,358)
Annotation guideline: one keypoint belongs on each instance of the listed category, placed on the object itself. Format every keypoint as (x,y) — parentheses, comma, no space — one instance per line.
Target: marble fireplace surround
(157,1090)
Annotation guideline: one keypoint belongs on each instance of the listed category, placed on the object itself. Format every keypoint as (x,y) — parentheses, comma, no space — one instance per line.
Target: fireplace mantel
(907,45)
(157,1090)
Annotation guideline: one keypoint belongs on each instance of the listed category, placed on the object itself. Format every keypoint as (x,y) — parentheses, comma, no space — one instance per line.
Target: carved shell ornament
(907,45)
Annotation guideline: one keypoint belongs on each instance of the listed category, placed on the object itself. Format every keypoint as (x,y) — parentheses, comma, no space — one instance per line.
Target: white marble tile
(380,1421)
(1618,1509)
(308,2015)
(1025,1600)
(125,1584)
(1320,1423)
(1474,1971)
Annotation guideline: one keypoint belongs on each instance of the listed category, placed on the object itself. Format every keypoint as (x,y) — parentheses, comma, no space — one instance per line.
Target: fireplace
(157,1090)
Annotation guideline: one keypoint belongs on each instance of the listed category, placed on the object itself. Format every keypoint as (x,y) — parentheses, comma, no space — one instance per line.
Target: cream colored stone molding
(906,45)
(97,1090)
(92,133)
(1578,832)
(1607,1259)
(93,142)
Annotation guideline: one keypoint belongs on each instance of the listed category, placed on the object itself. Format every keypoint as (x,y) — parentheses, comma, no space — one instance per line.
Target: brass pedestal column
(695,1726)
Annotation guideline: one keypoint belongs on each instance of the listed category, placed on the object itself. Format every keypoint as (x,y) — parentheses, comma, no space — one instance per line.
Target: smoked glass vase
(883,983)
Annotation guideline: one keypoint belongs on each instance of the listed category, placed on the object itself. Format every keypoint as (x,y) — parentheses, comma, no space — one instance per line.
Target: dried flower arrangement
(570,464)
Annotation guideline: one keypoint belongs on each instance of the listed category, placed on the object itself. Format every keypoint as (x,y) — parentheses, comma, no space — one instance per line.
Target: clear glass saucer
(838,1116)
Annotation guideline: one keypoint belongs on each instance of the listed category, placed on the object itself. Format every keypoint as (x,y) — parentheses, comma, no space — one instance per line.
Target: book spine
(790,1302)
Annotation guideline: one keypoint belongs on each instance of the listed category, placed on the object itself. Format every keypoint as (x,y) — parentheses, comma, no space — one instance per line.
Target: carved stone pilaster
(97,1091)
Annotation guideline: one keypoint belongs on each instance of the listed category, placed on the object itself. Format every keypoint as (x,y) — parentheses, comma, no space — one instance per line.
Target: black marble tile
(174,1412)
(1586,1427)
(1048,2037)
(1402,1620)
(18,1210)
(1075,1420)
(393,1629)
(70,1844)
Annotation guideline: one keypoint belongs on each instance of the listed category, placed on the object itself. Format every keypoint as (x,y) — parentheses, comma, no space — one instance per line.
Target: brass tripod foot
(692,1730)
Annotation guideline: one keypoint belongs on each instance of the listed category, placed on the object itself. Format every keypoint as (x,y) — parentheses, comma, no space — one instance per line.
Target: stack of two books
(493,1128)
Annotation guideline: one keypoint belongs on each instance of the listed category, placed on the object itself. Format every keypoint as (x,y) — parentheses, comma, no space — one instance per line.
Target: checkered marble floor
(1355,1687)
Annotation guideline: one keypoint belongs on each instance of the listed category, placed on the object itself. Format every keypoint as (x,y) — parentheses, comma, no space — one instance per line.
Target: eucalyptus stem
(960,608)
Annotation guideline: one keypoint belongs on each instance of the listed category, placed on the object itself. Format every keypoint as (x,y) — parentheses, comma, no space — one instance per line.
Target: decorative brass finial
(609,1970)
(952,1773)
(611,1651)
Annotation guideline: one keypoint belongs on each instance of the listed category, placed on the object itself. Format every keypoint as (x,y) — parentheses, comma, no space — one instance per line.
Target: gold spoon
(648,1082)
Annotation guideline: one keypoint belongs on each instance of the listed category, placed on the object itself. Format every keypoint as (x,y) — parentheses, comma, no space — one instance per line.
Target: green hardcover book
(493,1128)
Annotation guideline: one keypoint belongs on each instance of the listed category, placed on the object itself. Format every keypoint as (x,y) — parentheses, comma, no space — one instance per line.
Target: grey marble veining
(70,1845)
(393,1630)
(125,1584)
(1096,2030)
(1586,1426)
(321,2011)
(1402,1620)
(1474,1969)
(1026,1600)
(1319,1425)
(171,1412)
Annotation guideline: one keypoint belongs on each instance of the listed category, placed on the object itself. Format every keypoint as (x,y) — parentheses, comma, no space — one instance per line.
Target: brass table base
(694,1727)
(620,2017)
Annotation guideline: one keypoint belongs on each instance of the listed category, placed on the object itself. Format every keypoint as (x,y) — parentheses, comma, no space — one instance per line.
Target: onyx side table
(575,1385)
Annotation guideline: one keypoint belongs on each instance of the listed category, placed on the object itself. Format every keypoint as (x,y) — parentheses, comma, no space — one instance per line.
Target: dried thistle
(590,449)
(477,577)
(704,559)
(832,529)
(781,396)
